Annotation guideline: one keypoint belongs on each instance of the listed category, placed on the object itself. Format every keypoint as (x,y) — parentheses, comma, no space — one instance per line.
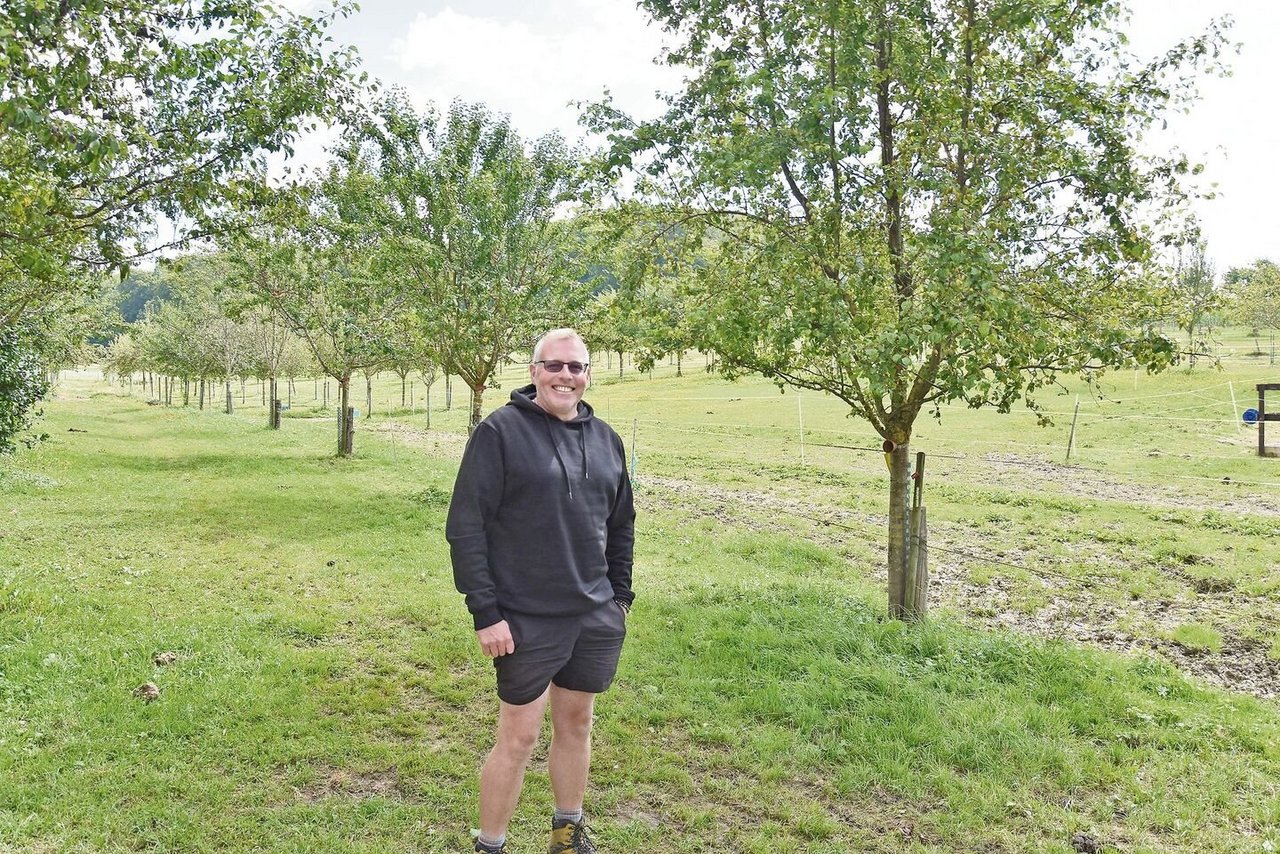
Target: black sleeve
(621,527)
(476,496)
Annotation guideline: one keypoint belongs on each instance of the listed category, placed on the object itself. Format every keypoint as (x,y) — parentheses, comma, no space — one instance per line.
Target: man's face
(559,392)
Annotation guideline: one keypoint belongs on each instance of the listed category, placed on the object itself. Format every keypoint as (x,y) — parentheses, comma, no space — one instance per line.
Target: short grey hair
(556,335)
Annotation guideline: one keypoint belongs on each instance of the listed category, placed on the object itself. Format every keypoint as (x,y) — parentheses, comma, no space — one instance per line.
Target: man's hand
(496,640)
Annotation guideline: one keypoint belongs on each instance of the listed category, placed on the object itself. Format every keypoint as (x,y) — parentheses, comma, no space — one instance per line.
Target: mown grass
(328,697)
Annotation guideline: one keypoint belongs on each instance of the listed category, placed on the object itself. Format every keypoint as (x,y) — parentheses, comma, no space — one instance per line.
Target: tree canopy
(914,201)
(115,111)
(470,212)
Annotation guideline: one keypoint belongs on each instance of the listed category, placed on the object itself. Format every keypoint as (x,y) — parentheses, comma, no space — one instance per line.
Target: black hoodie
(542,519)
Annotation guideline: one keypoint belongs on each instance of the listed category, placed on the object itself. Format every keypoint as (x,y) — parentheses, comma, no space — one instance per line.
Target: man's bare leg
(569,758)
(502,776)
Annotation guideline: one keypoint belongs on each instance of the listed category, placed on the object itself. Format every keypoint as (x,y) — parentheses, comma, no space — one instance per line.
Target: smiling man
(541,528)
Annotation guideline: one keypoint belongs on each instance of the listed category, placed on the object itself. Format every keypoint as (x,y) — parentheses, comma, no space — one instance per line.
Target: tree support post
(916,580)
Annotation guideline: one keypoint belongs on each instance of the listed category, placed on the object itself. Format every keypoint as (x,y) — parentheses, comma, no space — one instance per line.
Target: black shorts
(579,653)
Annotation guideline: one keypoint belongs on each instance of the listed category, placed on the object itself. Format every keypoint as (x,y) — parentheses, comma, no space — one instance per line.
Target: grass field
(327,694)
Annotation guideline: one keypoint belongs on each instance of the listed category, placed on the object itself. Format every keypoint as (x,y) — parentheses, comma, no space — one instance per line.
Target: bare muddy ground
(1074,611)
(1015,472)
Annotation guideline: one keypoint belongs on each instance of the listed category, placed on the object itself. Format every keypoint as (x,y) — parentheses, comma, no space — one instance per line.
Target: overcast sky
(533,59)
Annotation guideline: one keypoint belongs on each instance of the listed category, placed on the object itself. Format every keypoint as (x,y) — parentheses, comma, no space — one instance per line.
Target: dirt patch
(439,442)
(1033,474)
(737,502)
(357,785)
(1076,609)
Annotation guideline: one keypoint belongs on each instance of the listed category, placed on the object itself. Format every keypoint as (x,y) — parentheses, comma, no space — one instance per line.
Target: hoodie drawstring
(555,446)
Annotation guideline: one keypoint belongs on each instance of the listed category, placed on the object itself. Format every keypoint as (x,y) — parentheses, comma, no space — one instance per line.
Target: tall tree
(114,110)
(916,201)
(473,221)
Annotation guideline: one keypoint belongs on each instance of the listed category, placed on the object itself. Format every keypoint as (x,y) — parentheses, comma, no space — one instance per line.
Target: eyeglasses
(554,366)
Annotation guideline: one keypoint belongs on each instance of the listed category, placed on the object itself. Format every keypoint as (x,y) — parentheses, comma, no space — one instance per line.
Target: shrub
(22,384)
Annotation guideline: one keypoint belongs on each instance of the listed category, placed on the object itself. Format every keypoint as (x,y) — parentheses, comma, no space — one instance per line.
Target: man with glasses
(541,528)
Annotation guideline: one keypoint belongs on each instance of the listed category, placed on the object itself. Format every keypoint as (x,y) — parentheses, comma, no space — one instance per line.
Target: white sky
(532,59)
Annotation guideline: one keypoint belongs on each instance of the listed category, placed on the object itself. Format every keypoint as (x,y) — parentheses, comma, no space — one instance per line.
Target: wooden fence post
(1071,438)
(915,586)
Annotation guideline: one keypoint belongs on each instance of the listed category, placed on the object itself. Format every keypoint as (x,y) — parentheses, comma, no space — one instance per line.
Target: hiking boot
(570,838)
(501,850)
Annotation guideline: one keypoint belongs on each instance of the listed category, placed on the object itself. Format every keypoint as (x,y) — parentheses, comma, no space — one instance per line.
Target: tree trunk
(448,393)
(344,429)
(230,401)
(402,398)
(679,363)
(271,403)
(477,396)
(899,527)
(368,396)
(186,392)
(619,364)
(202,394)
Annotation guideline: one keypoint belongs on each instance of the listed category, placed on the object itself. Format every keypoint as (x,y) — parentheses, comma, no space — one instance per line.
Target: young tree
(1194,294)
(324,269)
(609,324)
(471,217)
(257,269)
(170,338)
(917,201)
(268,343)
(1254,299)
(208,291)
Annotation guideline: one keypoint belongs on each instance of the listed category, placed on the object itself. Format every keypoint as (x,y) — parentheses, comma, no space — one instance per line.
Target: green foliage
(468,219)
(1253,295)
(912,206)
(911,203)
(112,111)
(22,385)
(140,289)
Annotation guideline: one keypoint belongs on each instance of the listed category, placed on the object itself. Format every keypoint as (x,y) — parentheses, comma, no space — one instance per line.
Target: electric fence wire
(1034,464)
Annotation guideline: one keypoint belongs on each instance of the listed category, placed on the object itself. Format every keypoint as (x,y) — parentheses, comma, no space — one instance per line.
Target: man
(541,529)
